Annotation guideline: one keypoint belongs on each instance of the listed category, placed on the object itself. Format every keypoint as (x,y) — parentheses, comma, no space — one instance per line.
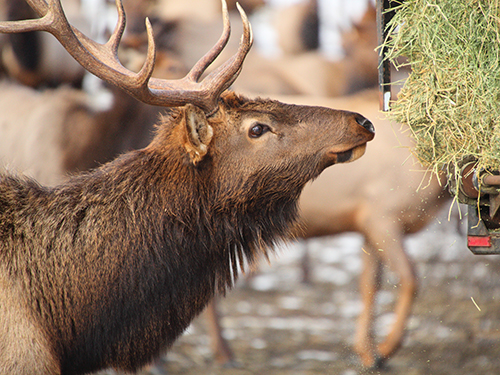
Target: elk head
(245,140)
(216,127)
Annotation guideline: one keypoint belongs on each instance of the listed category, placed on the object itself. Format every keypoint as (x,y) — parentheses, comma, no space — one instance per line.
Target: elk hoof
(378,363)
(372,364)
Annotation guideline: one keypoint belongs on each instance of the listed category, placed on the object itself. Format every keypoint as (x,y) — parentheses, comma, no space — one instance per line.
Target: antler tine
(223,77)
(200,67)
(41,24)
(146,71)
(205,94)
(116,37)
(142,77)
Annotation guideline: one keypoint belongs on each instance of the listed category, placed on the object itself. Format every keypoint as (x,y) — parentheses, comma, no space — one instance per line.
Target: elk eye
(257,130)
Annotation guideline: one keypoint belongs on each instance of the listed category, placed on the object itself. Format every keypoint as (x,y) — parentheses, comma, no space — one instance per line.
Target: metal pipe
(491,180)
(384,68)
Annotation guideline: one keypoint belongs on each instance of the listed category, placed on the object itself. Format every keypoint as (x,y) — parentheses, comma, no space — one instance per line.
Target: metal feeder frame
(478,189)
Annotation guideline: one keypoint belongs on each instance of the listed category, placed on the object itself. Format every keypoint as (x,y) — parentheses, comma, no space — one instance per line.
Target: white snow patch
(258,343)
(291,302)
(265,282)
(333,275)
(351,308)
(317,355)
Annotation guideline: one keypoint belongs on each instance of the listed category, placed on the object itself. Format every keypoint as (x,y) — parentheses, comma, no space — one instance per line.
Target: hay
(451,101)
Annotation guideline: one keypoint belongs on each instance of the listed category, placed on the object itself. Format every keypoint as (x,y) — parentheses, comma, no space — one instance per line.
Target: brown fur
(110,267)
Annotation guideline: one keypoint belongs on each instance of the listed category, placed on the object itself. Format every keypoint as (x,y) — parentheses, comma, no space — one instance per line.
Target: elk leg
(387,239)
(220,347)
(395,257)
(368,285)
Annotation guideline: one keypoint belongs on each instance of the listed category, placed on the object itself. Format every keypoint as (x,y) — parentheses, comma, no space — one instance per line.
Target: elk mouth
(349,155)
(339,154)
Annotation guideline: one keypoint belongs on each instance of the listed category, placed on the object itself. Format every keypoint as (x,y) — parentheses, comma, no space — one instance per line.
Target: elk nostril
(365,123)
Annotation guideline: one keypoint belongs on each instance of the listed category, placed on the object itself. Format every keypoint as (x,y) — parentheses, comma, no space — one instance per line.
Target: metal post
(384,68)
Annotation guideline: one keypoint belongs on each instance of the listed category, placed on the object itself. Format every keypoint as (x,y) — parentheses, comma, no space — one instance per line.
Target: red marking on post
(477,241)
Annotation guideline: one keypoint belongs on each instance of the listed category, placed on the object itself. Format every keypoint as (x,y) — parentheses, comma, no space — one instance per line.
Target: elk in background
(34,58)
(53,133)
(297,27)
(383,196)
(50,133)
(110,267)
(302,71)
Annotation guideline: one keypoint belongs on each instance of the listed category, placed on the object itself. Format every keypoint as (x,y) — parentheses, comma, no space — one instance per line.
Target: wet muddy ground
(278,325)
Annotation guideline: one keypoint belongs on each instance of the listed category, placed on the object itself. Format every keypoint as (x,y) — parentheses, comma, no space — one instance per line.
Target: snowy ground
(278,325)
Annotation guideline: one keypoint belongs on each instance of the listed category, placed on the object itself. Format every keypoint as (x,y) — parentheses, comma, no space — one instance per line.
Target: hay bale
(451,101)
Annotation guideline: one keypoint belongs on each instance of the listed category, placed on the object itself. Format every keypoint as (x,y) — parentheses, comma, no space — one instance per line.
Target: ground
(278,325)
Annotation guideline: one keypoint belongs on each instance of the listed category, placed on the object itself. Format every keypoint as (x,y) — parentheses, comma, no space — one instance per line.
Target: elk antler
(102,59)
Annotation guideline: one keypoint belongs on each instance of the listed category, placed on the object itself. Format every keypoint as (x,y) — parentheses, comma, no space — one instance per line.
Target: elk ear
(198,133)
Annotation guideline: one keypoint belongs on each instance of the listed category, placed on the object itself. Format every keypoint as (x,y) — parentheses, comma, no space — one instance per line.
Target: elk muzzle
(363,132)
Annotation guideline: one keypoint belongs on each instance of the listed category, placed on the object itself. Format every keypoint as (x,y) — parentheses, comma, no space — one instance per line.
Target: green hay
(451,99)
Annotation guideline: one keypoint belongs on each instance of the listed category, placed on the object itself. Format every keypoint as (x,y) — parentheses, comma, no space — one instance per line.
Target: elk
(309,72)
(36,59)
(110,267)
(297,27)
(52,133)
(383,196)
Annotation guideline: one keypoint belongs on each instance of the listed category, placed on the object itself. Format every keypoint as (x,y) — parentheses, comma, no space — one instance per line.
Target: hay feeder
(451,99)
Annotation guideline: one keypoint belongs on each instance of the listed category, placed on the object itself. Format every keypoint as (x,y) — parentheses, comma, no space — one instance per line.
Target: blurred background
(297,314)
